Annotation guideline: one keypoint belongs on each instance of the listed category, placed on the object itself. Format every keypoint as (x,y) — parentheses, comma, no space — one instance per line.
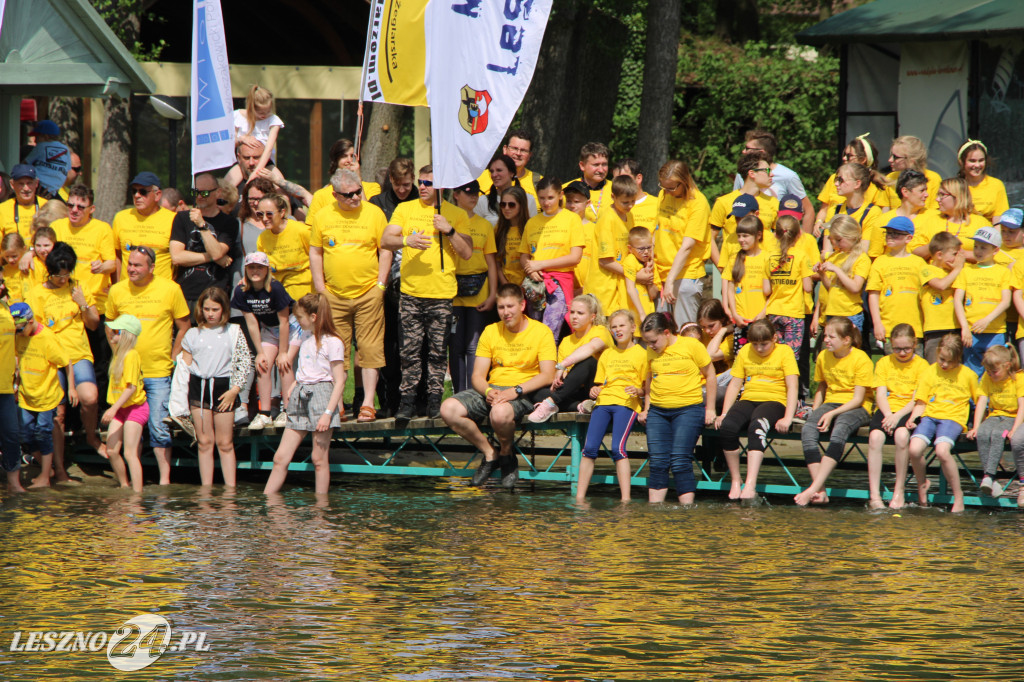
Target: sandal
(366,414)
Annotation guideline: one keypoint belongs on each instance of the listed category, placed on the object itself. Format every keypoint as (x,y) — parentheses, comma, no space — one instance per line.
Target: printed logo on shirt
(473,110)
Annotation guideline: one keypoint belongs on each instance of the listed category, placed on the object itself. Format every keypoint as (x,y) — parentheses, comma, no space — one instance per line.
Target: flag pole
(362,87)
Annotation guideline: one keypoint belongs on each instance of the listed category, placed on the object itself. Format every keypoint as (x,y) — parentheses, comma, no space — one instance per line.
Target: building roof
(63,47)
(918,20)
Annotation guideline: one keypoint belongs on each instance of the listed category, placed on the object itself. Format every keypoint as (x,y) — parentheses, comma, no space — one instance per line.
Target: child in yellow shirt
(128,411)
(745,283)
(640,261)
(1002,394)
(980,299)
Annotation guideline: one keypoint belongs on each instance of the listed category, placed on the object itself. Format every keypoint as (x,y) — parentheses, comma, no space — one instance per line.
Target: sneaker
(587,406)
(997,490)
(484,472)
(260,422)
(509,471)
(543,411)
(186,425)
(281,421)
(986,485)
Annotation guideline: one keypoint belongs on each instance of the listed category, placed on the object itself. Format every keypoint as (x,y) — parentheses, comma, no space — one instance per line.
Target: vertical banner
(213,130)
(394,62)
(933,99)
(480,58)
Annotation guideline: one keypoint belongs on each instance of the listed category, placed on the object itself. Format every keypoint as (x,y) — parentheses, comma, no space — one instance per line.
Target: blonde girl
(259,120)
(852,183)
(767,373)
(745,284)
(987,192)
(790,277)
(618,390)
(217,356)
(941,405)
(128,411)
(841,404)
(1001,392)
(13,248)
(843,273)
(858,150)
(315,396)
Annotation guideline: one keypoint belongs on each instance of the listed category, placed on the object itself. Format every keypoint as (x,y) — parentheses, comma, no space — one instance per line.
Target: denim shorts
(37,430)
(158,393)
(932,430)
(85,373)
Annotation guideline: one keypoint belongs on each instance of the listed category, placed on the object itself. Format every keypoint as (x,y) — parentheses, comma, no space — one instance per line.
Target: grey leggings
(843,426)
(991,441)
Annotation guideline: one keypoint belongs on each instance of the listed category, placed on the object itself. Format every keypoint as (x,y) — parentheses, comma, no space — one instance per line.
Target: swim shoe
(509,471)
(484,472)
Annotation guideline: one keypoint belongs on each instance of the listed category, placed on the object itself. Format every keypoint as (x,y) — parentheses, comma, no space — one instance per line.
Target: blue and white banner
(213,130)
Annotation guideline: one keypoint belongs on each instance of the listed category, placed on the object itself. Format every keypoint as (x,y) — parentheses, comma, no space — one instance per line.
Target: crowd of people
(250,301)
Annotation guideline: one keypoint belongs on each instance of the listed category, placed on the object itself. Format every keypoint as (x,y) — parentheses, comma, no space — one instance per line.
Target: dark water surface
(432,580)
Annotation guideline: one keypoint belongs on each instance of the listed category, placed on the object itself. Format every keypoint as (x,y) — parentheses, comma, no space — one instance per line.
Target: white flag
(213,129)
(480,58)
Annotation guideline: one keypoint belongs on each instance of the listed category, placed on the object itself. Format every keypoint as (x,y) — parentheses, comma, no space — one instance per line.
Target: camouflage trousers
(426,323)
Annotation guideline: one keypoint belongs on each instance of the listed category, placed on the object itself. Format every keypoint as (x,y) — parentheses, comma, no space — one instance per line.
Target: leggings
(575,388)
(758,418)
(790,330)
(1017,447)
(843,426)
(991,441)
(621,418)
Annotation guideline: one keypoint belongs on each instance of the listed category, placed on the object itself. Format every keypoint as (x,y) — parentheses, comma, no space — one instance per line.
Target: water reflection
(433,580)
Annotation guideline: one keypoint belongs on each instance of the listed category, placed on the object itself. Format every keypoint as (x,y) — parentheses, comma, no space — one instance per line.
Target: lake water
(429,580)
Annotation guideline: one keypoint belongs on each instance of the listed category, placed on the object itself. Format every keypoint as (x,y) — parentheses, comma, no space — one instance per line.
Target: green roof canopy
(886,21)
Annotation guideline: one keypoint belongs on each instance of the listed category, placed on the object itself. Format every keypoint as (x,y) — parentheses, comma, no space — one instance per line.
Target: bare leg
(454,414)
(163,463)
(224,433)
(14,482)
(88,398)
(876,439)
(687,498)
(622,473)
(115,436)
(655,496)
(263,379)
(951,471)
(754,459)
(369,385)
(583,483)
(203,420)
(814,493)
(916,449)
(732,458)
(503,421)
(290,441)
(133,452)
(59,474)
(321,463)
(900,459)
(46,470)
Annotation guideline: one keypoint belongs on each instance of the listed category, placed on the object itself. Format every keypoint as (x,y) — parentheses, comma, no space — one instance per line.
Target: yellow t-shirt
(898,283)
(677,379)
(16,283)
(482,233)
(55,310)
(6,351)
(571,342)
(513,267)
(1009,256)
(631,266)
(1002,395)
(582,269)
(731,246)
(19,220)
(764,377)
(983,287)
(933,179)
(645,212)
(350,240)
(94,241)
(131,228)
(720,219)
(131,375)
(900,379)
(750,298)
(947,394)
(872,195)
(600,199)
(1016,282)
(528,182)
(842,374)
(989,198)
(288,253)
(157,305)
(808,245)
(611,236)
(39,358)
(937,312)
(872,225)
(930,223)
(548,237)
(841,301)
(324,197)
(679,218)
(422,273)
(515,357)
(787,278)
(36,276)
(617,369)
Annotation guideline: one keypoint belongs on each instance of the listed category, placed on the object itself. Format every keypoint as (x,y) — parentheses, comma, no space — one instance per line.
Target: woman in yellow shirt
(128,411)
(955,215)
(841,404)
(988,193)
(858,150)
(767,374)
(509,233)
(675,409)
(1002,394)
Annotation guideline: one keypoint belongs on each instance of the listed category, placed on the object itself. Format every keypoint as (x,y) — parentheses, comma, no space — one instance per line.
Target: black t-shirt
(262,303)
(194,280)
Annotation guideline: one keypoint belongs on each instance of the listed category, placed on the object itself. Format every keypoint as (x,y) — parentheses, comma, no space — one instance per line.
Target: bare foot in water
(922,492)
(1020,497)
(897,501)
(61,477)
(805,498)
(748,493)
(876,503)
(958,506)
(40,482)
(734,491)
(819,498)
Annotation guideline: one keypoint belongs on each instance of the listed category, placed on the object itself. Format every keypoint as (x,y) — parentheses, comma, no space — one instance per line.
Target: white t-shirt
(314,366)
(784,181)
(261,131)
(211,349)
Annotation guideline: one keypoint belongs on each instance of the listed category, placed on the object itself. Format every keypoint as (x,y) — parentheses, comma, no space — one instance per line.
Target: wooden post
(316,145)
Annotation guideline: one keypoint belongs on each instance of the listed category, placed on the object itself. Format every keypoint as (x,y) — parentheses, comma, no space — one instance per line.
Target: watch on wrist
(519,391)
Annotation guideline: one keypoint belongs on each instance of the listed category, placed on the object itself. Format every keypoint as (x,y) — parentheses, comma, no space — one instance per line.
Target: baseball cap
(989,235)
(743,205)
(45,127)
(257,258)
(146,179)
(578,187)
(901,224)
(23,170)
(472,187)
(21,312)
(792,206)
(1012,218)
(127,323)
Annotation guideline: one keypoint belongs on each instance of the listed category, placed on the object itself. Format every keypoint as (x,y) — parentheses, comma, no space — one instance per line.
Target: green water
(431,580)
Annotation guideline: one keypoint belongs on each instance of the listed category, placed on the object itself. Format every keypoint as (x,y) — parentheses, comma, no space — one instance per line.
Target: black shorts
(206,393)
(876,424)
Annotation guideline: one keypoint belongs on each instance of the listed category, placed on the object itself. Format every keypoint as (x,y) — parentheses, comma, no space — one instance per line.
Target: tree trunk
(66,112)
(737,20)
(657,102)
(114,159)
(380,144)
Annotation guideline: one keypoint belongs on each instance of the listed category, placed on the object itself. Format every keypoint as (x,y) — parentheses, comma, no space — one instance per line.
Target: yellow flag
(395,61)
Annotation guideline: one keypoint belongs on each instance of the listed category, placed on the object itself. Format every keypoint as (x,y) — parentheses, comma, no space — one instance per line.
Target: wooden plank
(316,144)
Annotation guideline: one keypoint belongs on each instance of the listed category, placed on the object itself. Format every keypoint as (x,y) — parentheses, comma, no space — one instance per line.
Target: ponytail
(749,225)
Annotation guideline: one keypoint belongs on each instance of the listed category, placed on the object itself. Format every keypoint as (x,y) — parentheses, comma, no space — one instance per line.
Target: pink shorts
(136,413)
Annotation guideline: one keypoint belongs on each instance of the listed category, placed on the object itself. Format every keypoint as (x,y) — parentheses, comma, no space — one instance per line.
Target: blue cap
(901,224)
(1012,218)
(792,206)
(743,205)
(146,179)
(23,170)
(21,312)
(46,127)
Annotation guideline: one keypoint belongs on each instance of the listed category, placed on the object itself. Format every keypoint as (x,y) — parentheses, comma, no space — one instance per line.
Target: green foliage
(725,90)
(124,17)
(631,84)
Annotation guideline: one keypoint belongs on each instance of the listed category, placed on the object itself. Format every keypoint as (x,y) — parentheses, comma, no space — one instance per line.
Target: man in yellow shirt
(349,265)
(594,158)
(514,358)
(160,306)
(519,148)
(343,157)
(147,223)
(17,212)
(428,286)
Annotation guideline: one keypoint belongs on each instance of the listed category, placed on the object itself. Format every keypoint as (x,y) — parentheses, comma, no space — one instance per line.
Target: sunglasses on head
(145,251)
(349,195)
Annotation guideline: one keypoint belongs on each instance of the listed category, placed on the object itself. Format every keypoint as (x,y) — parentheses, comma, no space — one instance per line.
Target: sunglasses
(77,169)
(348,195)
(265,214)
(141,191)
(204,193)
(507,204)
(145,251)
(19,328)
(425,183)
(78,207)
